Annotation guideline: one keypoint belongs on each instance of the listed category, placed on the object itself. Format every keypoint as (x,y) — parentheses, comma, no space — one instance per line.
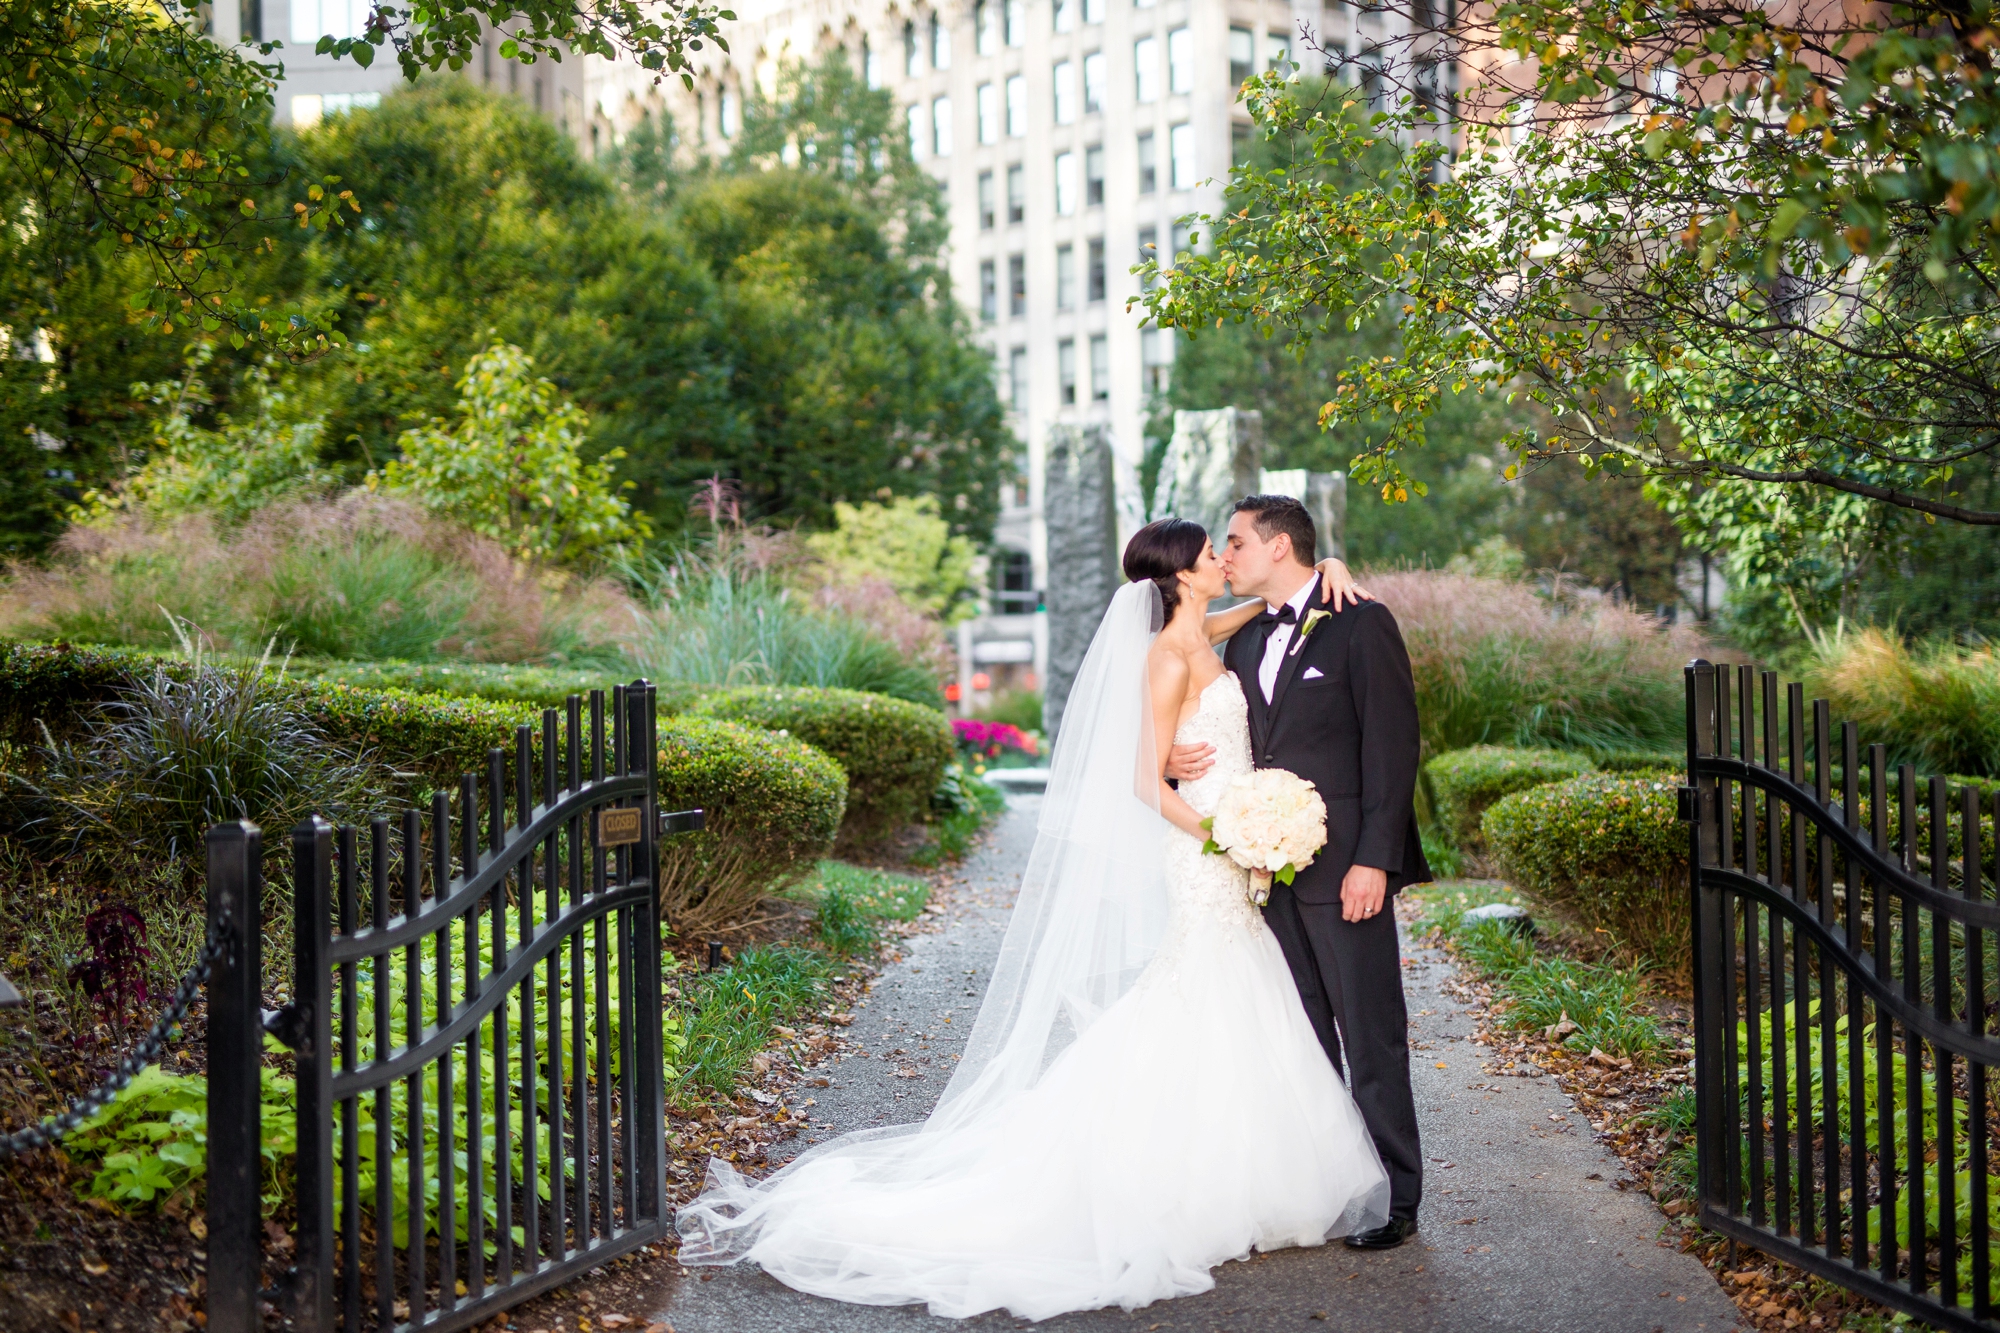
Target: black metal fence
(477,1030)
(1845,962)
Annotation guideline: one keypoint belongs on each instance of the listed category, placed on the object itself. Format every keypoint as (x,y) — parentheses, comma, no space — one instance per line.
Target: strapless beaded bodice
(1221,719)
(1206,892)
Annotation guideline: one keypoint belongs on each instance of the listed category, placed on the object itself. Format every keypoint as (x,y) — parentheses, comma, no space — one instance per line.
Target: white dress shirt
(1281,638)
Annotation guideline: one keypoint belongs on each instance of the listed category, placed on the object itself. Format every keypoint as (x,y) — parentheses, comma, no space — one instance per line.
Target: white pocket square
(1312,673)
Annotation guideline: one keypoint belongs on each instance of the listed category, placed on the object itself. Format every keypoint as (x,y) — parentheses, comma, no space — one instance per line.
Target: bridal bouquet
(1271,823)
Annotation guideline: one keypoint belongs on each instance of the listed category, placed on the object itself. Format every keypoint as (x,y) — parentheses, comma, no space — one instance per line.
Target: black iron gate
(478,1039)
(1845,962)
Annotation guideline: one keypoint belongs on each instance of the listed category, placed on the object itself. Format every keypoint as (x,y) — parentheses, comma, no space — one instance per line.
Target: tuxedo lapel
(1251,656)
(1295,653)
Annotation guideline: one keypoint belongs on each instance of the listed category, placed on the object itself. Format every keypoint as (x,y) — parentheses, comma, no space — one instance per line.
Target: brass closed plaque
(618,826)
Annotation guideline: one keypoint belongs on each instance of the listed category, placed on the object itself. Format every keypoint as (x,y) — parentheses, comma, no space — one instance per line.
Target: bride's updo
(1161,550)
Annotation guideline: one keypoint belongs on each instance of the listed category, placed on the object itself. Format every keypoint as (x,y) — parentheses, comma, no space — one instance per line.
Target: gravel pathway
(1524,1226)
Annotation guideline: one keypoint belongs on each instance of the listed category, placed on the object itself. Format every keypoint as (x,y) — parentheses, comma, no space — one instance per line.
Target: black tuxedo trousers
(1343,715)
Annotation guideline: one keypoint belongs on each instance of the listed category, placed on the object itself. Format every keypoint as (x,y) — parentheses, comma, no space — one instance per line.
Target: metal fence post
(312,996)
(650,1166)
(1707,905)
(235,1047)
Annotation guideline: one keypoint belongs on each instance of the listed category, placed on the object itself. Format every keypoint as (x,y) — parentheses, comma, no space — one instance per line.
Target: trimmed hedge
(774,803)
(774,806)
(893,752)
(1463,783)
(1601,852)
(540,687)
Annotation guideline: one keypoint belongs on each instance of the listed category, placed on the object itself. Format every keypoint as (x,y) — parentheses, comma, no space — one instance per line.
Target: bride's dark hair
(1160,550)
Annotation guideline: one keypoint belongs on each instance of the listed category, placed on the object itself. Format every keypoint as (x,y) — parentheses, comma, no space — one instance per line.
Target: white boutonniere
(1307,626)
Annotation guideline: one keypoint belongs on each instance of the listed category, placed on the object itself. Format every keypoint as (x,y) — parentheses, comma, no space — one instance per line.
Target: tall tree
(1774,239)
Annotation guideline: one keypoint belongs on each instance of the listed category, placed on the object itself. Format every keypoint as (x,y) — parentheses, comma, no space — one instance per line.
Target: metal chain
(146,1052)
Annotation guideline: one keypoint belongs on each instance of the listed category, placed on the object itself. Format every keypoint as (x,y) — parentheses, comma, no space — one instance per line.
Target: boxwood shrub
(1601,853)
(774,802)
(540,687)
(893,752)
(1463,783)
(774,805)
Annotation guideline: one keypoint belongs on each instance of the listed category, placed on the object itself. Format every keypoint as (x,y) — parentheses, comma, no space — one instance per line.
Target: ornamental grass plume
(1498,663)
(1935,705)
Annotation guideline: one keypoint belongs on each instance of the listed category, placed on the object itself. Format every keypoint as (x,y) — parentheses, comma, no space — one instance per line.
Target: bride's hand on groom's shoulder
(1337,581)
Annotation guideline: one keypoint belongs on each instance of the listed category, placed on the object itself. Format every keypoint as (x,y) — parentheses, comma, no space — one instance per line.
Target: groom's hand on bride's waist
(1185,763)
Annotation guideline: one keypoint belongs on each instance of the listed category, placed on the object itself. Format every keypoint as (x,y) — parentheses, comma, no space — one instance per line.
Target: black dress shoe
(1385,1237)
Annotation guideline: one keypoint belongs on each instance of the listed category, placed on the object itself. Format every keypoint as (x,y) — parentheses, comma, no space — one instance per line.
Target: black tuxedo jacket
(1343,716)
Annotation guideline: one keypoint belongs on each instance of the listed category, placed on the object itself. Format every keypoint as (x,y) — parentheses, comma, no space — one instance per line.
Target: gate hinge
(1689,808)
(292,1026)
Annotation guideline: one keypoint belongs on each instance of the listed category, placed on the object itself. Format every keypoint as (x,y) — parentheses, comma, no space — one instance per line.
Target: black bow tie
(1284,615)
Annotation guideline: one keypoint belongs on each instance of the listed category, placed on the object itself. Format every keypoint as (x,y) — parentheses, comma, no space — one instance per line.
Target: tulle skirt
(1196,1120)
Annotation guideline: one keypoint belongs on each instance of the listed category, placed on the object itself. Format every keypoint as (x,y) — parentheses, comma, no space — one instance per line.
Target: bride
(1142,1096)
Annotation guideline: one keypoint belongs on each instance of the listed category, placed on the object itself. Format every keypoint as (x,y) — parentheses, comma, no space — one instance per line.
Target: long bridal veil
(1090,914)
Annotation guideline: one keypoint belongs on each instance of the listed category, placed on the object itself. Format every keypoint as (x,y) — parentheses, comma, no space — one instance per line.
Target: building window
(1146,69)
(1017,22)
(871,64)
(1093,11)
(314,19)
(913,55)
(1242,56)
(989,113)
(1065,183)
(1065,81)
(1149,164)
(1278,50)
(987,214)
(986,26)
(1066,371)
(1180,146)
(1017,105)
(1017,285)
(726,119)
(1017,194)
(989,290)
(1065,277)
(250,18)
(1093,175)
(917,127)
(1239,143)
(1100,368)
(1097,274)
(1017,379)
(1149,248)
(940,44)
(1093,81)
(1065,14)
(1180,61)
(941,123)
(1155,357)
(1186,239)
(1013,583)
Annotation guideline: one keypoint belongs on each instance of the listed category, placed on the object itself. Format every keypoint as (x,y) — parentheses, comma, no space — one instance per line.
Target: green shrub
(1642,761)
(1603,854)
(892,751)
(774,802)
(774,806)
(540,687)
(1463,783)
(1936,706)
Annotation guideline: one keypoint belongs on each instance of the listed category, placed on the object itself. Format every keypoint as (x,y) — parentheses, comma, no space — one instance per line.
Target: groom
(1332,700)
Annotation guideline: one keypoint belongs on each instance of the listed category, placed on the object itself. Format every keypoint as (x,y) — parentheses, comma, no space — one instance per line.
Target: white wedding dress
(1192,1120)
